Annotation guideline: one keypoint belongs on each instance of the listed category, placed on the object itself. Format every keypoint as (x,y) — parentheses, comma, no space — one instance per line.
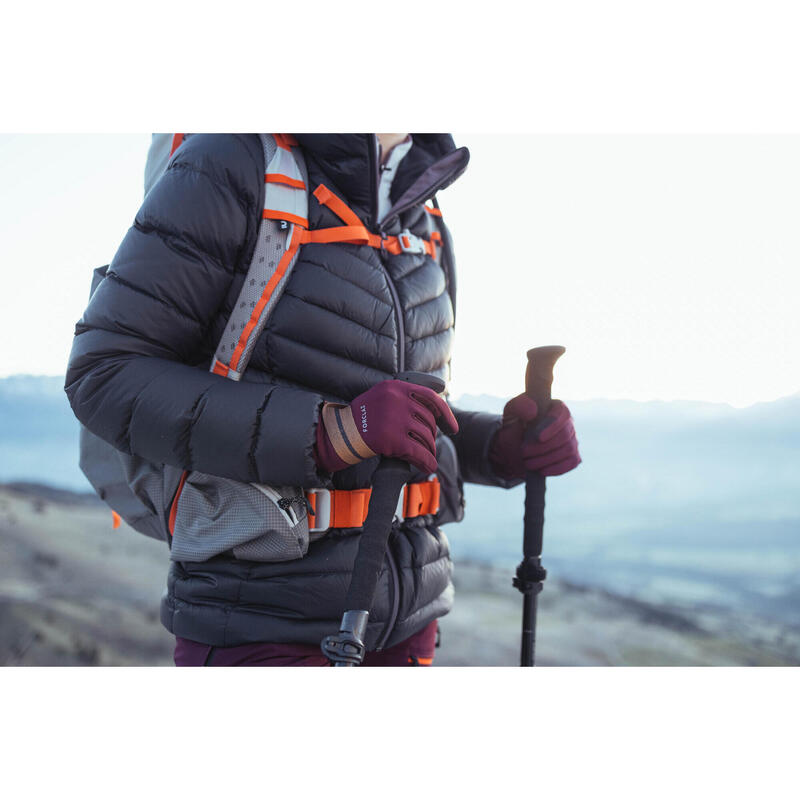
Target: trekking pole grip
(346,648)
(422,379)
(539,374)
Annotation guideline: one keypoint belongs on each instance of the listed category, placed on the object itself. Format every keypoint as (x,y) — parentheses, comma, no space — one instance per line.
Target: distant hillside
(38,433)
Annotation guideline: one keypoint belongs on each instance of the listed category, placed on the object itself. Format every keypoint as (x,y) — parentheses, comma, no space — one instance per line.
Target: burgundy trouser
(416,651)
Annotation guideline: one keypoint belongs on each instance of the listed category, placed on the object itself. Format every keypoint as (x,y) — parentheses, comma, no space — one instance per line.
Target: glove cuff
(339,442)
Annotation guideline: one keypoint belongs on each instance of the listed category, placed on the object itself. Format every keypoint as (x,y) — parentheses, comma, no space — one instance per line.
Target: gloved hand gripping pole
(346,648)
(530,572)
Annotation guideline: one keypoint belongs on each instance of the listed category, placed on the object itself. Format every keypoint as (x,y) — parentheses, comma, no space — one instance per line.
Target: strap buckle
(320,500)
(399,512)
(348,508)
(410,243)
(415,500)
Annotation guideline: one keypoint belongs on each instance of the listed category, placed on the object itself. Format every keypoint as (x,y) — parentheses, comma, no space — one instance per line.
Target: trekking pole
(530,572)
(347,648)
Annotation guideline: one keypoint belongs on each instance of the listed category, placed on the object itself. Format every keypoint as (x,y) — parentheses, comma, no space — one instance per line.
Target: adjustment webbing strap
(349,507)
(355,232)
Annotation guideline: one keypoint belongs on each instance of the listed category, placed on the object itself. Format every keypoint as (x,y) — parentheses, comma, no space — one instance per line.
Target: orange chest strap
(355,232)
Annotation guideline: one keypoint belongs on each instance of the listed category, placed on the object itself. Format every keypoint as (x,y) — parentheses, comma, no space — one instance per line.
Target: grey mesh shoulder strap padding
(275,254)
(285,214)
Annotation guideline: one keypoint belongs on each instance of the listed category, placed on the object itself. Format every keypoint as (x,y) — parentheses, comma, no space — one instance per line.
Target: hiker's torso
(353,315)
(350,316)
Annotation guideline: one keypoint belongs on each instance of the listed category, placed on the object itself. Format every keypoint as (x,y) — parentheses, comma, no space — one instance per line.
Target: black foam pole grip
(387,482)
(533,522)
(422,379)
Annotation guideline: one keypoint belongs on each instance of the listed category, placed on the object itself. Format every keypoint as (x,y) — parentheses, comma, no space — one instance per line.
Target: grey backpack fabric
(161,148)
(256,522)
(208,514)
(133,487)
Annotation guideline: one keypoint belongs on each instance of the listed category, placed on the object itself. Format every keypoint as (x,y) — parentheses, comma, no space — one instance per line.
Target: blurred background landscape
(677,541)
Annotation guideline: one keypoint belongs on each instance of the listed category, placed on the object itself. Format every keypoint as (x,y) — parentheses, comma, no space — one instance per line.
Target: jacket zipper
(401,328)
(394,582)
(398,310)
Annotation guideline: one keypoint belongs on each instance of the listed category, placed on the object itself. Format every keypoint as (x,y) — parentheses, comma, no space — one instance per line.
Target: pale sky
(667,265)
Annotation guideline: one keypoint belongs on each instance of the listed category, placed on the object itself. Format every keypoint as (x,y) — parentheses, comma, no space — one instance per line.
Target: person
(352,316)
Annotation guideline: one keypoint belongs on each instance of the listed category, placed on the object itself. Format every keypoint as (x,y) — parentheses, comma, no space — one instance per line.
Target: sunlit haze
(667,265)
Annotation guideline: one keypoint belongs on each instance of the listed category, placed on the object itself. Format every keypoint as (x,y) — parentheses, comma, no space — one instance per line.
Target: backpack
(197,514)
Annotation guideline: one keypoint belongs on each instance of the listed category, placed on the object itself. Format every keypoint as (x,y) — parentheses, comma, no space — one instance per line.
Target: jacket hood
(351,162)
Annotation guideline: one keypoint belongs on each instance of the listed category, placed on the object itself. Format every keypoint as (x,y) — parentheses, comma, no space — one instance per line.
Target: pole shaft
(528,648)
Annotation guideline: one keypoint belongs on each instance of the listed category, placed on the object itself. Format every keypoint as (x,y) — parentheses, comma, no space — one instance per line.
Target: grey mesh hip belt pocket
(258,523)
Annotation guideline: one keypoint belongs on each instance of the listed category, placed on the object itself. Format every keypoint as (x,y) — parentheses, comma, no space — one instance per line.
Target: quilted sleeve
(475,432)
(132,377)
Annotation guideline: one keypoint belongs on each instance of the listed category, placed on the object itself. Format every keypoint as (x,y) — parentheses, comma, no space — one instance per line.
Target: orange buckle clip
(418,499)
(409,243)
(338,508)
(347,508)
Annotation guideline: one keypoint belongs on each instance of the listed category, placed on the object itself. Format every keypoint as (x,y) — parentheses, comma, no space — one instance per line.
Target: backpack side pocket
(258,523)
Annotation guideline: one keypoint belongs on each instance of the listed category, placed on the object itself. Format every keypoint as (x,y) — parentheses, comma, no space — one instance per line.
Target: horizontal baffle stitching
(425,261)
(242,197)
(337,314)
(306,260)
(177,242)
(346,359)
(356,251)
(428,300)
(142,337)
(167,303)
(416,339)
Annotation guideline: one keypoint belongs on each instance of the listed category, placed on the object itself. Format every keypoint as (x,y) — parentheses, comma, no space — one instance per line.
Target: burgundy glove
(393,418)
(553,451)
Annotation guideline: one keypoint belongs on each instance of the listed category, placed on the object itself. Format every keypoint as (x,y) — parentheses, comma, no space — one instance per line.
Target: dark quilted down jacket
(350,316)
